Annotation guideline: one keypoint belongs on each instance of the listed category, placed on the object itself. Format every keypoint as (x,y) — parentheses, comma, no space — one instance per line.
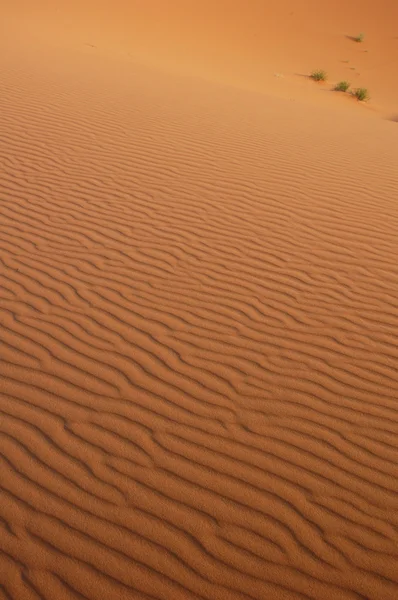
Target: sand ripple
(199,321)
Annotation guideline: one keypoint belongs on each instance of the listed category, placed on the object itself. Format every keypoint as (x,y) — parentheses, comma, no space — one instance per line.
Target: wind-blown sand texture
(199,309)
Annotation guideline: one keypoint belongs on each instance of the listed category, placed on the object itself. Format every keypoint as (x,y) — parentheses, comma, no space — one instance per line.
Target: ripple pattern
(199,325)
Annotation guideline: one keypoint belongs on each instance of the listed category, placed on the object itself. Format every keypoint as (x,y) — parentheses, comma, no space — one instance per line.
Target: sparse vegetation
(342,86)
(361,94)
(318,75)
(359,38)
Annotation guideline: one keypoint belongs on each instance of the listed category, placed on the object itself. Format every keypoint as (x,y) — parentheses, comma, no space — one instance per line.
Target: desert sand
(198,301)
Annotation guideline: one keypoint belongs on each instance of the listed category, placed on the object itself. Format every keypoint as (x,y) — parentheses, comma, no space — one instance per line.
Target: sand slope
(244,43)
(199,324)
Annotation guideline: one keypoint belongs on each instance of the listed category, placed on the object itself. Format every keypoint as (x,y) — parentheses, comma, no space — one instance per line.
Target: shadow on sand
(352,38)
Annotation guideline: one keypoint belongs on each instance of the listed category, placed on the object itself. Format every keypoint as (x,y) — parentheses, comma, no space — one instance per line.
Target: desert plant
(318,75)
(361,94)
(359,38)
(342,86)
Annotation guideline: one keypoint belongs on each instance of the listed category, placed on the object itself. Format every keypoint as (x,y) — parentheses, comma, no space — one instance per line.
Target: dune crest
(231,41)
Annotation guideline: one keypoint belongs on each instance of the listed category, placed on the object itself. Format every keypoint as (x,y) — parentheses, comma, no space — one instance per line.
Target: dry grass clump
(342,86)
(361,94)
(318,75)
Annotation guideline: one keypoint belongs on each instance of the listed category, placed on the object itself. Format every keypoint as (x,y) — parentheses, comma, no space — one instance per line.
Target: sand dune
(198,304)
(240,43)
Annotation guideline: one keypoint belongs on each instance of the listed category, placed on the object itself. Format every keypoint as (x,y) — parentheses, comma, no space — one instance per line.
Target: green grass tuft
(359,38)
(342,86)
(318,75)
(361,94)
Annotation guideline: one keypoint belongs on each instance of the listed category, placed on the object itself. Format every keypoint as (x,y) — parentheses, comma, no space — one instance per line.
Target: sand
(198,301)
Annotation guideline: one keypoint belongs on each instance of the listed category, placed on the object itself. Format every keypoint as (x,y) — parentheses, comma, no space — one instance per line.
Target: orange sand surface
(198,301)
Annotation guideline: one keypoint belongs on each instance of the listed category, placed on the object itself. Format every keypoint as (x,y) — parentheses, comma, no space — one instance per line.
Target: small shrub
(359,38)
(318,75)
(342,86)
(361,94)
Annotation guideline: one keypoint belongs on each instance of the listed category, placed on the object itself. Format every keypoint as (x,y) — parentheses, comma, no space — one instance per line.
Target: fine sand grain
(198,303)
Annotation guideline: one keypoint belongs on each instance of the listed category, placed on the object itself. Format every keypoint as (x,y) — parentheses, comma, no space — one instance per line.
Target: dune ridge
(256,45)
(198,377)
